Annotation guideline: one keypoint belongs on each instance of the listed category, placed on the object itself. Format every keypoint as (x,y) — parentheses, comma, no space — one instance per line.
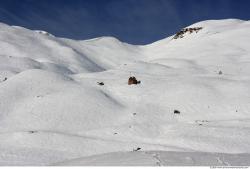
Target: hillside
(52,109)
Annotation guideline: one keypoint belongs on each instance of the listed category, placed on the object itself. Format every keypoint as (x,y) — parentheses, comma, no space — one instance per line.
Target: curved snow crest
(103,39)
(219,23)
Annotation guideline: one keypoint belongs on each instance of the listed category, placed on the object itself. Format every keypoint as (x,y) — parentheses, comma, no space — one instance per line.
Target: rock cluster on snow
(186,30)
(133,80)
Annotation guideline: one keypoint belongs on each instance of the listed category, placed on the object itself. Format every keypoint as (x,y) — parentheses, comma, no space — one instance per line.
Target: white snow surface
(53,112)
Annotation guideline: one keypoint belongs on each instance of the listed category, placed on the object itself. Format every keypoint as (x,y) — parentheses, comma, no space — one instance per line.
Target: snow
(160,158)
(53,112)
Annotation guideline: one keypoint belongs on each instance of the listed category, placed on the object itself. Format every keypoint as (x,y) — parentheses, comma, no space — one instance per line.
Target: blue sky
(132,21)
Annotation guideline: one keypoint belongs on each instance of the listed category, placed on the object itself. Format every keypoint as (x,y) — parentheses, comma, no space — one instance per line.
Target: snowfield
(160,158)
(54,112)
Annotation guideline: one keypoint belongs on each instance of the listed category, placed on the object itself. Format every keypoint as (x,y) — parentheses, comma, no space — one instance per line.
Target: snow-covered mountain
(194,97)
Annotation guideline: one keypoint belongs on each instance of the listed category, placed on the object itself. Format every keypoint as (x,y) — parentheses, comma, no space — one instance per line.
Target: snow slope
(161,158)
(52,109)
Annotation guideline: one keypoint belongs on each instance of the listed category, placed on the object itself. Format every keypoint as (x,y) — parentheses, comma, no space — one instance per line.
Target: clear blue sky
(132,21)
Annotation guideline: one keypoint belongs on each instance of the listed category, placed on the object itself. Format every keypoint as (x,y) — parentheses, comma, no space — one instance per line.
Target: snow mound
(44,33)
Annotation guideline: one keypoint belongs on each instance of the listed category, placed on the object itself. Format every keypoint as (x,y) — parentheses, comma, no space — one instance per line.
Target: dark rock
(177,112)
(137,149)
(133,80)
(100,83)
